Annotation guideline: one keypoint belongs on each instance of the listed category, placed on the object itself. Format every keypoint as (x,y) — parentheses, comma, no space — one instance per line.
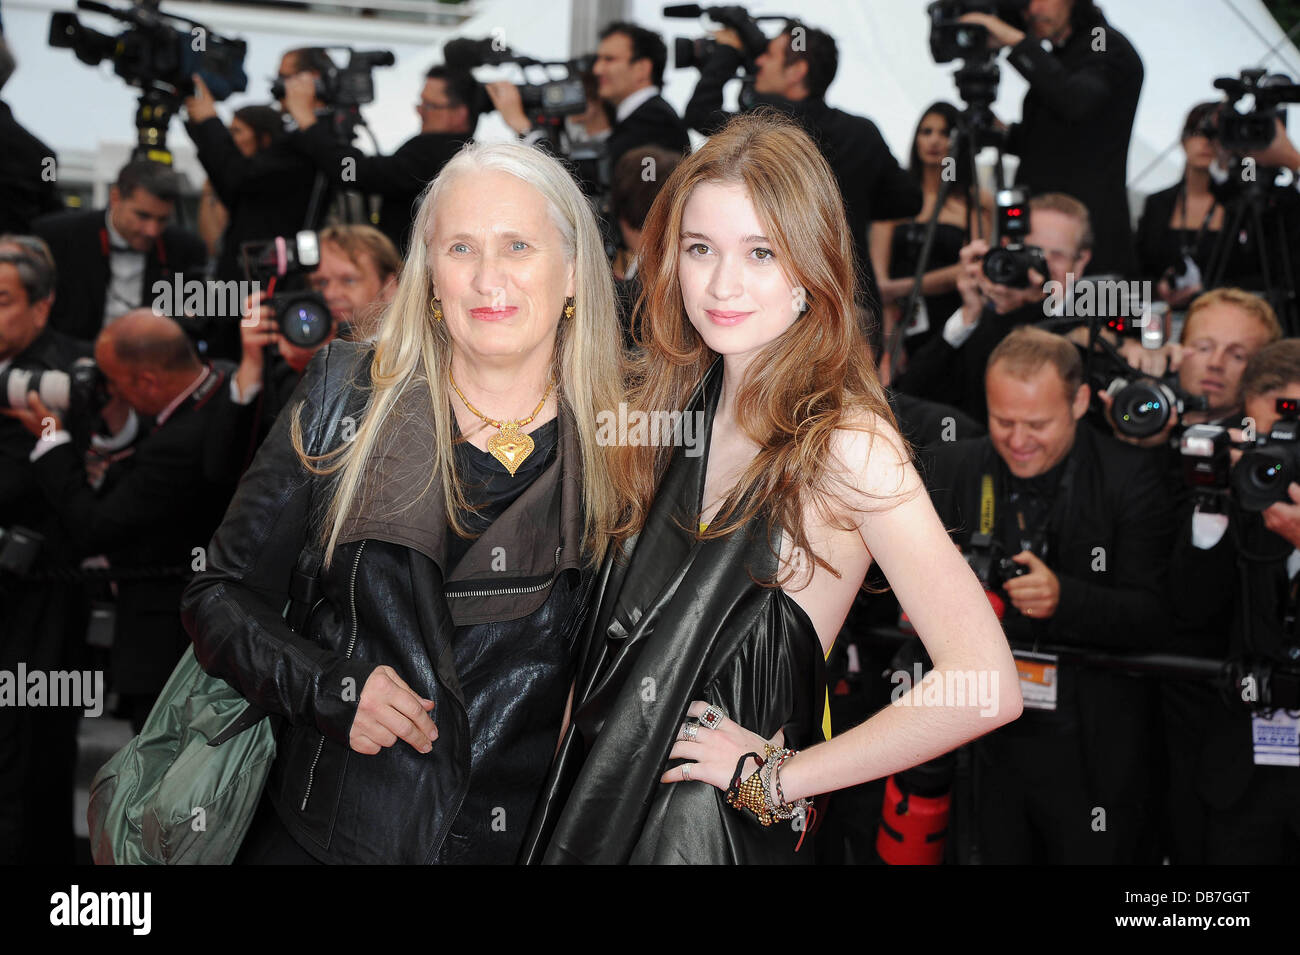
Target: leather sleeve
(704,112)
(894,194)
(232,610)
(234,175)
(1075,93)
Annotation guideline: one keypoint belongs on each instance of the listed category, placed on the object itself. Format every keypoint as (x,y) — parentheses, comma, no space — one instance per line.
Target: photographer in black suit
(629,71)
(1085,520)
(42,622)
(1077,118)
(793,77)
(27,183)
(1232,588)
(109,259)
(448,108)
(158,505)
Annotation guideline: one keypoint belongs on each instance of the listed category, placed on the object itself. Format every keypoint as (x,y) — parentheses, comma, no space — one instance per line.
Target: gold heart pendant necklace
(509,445)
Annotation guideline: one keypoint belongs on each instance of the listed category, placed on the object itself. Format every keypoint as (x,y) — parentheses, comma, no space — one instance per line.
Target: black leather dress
(676,620)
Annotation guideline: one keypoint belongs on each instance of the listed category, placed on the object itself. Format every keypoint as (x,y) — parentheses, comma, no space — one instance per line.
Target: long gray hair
(412,347)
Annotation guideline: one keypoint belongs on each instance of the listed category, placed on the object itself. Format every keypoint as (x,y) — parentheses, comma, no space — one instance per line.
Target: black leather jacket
(385,600)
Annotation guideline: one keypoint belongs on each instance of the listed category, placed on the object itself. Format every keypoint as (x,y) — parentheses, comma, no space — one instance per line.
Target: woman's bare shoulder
(872,458)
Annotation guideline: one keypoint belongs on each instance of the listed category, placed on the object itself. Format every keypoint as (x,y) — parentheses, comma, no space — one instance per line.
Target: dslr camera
(1009,264)
(992,565)
(1267,466)
(1143,405)
(81,392)
(300,312)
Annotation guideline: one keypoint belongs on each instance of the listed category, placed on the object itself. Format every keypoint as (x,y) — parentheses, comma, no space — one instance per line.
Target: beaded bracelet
(755,792)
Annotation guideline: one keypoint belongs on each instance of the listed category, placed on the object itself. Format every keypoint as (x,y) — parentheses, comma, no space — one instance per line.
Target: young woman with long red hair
(702,689)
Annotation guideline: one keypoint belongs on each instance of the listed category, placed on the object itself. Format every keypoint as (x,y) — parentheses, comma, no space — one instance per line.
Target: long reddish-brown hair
(813,379)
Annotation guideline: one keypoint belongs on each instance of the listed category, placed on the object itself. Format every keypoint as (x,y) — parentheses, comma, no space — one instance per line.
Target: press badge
(1037,672)
(1277,739)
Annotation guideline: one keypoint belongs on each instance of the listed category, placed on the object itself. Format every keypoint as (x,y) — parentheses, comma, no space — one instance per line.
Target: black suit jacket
(153,509)
(1207,590)
(653,123)
(955,376)
(1111,599)
(1073,136)
(398,178)
(79,240)
(41,622)
(27,190)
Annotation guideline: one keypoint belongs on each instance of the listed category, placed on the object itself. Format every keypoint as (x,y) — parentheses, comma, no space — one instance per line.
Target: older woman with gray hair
(450,475)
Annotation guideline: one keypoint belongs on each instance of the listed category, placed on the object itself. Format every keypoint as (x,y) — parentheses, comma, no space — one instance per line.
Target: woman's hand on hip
(714,752)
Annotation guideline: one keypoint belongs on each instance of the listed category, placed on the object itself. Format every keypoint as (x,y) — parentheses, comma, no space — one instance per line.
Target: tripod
(1256,209)
(977,85)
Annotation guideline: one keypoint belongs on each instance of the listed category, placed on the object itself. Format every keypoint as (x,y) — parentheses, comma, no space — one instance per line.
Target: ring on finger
(690,731)
(712,717)
(686,772)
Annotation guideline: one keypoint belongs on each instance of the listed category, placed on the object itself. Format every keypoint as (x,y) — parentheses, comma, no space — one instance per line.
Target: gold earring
(435,306)
(569,308)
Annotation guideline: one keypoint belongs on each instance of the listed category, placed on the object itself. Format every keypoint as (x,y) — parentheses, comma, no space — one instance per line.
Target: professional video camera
(688,52)
(81,391)
(302,314)
(157,56)
(346,89)
(1142,406)
(951,39)
(1266,468)
(1240,132)
(547,103)
(1009,265)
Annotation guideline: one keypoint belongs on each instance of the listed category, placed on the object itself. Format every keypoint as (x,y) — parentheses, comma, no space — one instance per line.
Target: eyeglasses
(423,105)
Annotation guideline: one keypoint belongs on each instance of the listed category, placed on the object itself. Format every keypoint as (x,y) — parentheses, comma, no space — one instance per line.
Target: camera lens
(305,320)
(1004,268)
(1262,475)
(1141,409)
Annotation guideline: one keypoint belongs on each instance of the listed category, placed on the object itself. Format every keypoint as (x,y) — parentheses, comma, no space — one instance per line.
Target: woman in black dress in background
(896,244)
(1182,226)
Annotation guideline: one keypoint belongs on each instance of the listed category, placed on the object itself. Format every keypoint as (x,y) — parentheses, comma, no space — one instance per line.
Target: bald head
(147,358)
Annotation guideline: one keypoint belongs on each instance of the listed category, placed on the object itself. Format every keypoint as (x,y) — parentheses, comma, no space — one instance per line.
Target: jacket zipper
(460,800)
(501,591)
(352,596)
